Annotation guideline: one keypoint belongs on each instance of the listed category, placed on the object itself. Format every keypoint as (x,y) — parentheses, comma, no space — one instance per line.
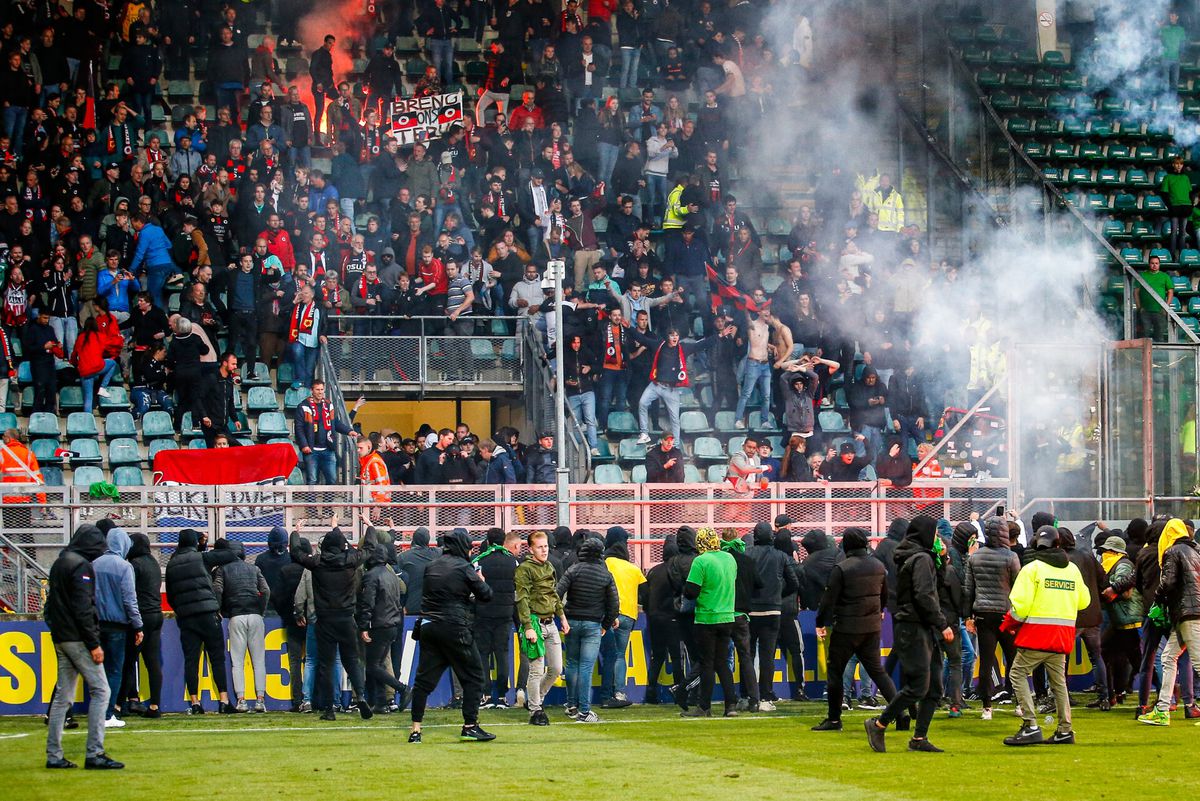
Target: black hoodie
(335,573)
(681,564)
(273,560)
(816,568)
(291,575)
(147,578)
(452,584)
(655,594)
(381,595)
(789,601)
(413,564)
(1093,576)
(885,552)
(857,591)
(588,589)
(70,611)
(916,576)
(499,570)
(775,580)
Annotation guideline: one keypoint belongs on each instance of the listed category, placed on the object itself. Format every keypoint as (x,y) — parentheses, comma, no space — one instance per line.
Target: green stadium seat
(1153,204)
(81,424)
(1164,257)
(1054,175)
(1018,79)
(117,400)
(1114,230)
(1142,231)
(414,68)
(1112,107)
(293,397)
(1047,126)
(688,399)
(1004,101)
(764,423)
(1019,126)
(986,34)
(1034,150)
(159,445)
(1192,324)
(1180,284)
(128,476)
(272,424)
(691,475)
(70,399)
(1176,305)
(284,376)
(961,34)
(832,422)
(197,444)
(606,455)
(637,475)
(1044,79)
(1138,179)
(1075,128)
(708,449)
(123,452)
(43,425)
(86,476)
(629,451)
(1124,202)
(1071,82)
(989,79)
(157,424)
(1059,103)
(1108,176)
(7,420)
(1133,257)
(716,473)
(119,424)
(53,476)
(694,423)
(1061,151)
(1118,153)
(1189,259)
(1002,57)
(1090,151)
(1080,176)
(725,422)
(1193,306)
(261,399)
(1115,285)
(44,451)
(608,474)
(188,429)
(1096,201)
(622,423)
(86,451)
(974,54)
(1054,59)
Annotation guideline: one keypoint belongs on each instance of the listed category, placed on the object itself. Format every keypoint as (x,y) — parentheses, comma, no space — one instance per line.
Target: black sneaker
(328,714)
(414,737)
(60,764)
(102,762)
(698,712)
(151,713)
(405,697)
(228,709)
(195,709)
(364,710)
(455,703)
(875,735)
(1026,735)
(828,725)
(473,732)
(1062,738)
(679,693)
(1103,704)
(923,744)
(134,708)
(538,718)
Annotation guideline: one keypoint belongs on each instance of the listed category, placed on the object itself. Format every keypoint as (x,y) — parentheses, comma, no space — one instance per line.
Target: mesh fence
(22,581)
(364,362)
(486,359)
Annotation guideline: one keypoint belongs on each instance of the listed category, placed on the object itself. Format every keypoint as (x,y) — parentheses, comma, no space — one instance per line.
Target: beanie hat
(707,540)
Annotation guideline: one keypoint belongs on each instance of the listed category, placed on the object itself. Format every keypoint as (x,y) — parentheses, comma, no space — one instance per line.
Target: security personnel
(18,465)
(1046,598)
(678,209)
(372,472)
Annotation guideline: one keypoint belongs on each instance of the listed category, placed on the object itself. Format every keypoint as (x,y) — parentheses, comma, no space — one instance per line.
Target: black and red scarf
(304,317)
(613,355)
(682,377)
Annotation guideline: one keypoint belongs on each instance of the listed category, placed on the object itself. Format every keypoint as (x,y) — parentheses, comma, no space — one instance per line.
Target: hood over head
(964,533)
(377,552)
(189,538)
(1174,531)
(670,547)
(922,529)
(277,539)
(814,541)
(897,529)
(1135,532)
(140,546)
(305,546)
(687,540)
(457,543)
(1066,538)
(854,539)
(616,535)
(763,534)
(561,537)
(945,530)
(420,537)
(591,549)
(118,542)
(995,532)
(333,542)
(783,542)
(88,542)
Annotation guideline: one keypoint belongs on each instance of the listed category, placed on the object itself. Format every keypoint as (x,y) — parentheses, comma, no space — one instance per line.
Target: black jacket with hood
(189,585)
(855,596)
(917,577)
(147,579)
(1146,566)
(655,593)
(588,590)
(290,576)
(71,599)
(885,552)
(775,580)
(680,565)
(413,564)
(335,573)
(381,593)
(789,602)
(272,562)
(816,568)
(240,586)
(452,585)
(1093,576)
(499,571)
(991,571)
(1179,586)
(561,548)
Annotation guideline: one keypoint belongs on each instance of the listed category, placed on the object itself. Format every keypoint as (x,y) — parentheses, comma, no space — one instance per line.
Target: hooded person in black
(380,618)
(1089,619)
(885,552)
(746,585)
(74,625)
(335,574)
(452,586)
(147,577)
(919,622)
(658,600)
(272,561)
(561,547)
(775,581)
(791,643)
(296,631)
(190,593)
(412,564)
(494,619)
(852,606)
(954,608)
(816,568)
(685,612)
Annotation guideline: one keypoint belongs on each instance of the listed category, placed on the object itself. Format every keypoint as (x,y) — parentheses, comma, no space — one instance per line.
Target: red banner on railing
(249,464)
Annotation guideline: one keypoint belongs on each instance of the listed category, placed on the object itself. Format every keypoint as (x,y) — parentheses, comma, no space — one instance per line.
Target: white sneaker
(741,426)
(743,705)
(241,705)
(114,723)
(520,698)
(986,714)
(644,439)
(766,706)
(102,392)
(590,717)
(595,451)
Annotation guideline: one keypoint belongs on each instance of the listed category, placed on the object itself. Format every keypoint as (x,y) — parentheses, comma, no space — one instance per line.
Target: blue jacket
(680,259)
(197,137)
(113,291)
(116,591)
(153,249)
(500,469)
(317,198)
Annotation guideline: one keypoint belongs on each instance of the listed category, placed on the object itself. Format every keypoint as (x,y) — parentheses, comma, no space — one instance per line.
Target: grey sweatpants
(247,632)
(74,660)
(1185,633)
(544,670)
(1056,672)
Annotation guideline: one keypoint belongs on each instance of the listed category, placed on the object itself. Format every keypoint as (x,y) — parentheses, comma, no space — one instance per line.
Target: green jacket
(535,591)
(1127,611)
(89,270)
(1176,189)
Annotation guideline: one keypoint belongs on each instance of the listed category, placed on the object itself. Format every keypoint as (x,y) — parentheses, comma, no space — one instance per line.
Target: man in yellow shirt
(615,642)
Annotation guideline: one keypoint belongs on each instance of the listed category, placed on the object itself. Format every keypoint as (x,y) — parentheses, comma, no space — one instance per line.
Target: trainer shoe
(473,732)
(102,761)
(923,744)
(679,693)
(1156,717)
(743,705)
(328,714)
(114,723)
(414,737)
(828,725)
(195,709)
(587,717)
(242,706)
(1026,735)
(539,718)
(698,712)
(151,712)
(60,764)
(644,439)
(500,704)
(869,703)
(305,707)
(521,699)
(985,714)
(228,709)
(875,735)
(571,711)
(955,712)
(766,706)
(1062,738)
(405,697)
(1103,704)
(364,710)
(1047,707)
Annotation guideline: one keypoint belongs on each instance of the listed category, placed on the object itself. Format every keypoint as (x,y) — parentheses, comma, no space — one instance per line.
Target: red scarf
(363,286)
(320,415)
(372,143)
(613,356)
(682,378)
(153,156)
(303,319)
(126,138)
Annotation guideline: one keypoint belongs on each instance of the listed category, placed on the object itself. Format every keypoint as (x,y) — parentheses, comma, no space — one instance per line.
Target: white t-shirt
(738,87)
(589,58)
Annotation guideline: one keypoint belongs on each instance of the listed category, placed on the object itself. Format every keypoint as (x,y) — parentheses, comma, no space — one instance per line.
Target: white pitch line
(13,736)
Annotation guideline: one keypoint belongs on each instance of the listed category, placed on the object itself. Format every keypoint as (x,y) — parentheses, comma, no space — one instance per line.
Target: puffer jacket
(381,595)
(885,552)
(1179,587)
(240,586)
(413,563)
(857,590)
(775,580)
(588,589)
(991,571)
(1093,576)
(70,611)
(147,578)
(1127,610)
(816,568)
(189,586)
(452,585)
(335,573)
(917,599)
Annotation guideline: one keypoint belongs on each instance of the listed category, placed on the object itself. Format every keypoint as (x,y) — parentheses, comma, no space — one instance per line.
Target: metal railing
(539,402)
(383,353)
(648,512)
(347,456)
(22,580)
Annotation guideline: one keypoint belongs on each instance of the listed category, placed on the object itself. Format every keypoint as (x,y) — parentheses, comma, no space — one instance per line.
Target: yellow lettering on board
(49,669)
(635,659)
(20,685)
(276,638)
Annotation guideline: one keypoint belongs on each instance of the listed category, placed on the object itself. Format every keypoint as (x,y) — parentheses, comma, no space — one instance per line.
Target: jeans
(1091,641)
(66,329)
(74,661)
(493,640)
(441,53)
(613,389)
(320,464)
(304,363)
(659,392)
(14,126)
(144,398)
(582,648)
(346,204)
(656,195)
(583,407)
(755,374)
(142,103)
(246,634)
(300,156)
(112,640)
(228,94)
(612,658)
(157,276)
(909,431)
(89,383)
(630,56)
(310,663)
(608,161)
(1170,74)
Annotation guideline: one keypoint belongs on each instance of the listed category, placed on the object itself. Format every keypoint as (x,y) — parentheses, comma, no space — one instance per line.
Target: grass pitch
(634,753)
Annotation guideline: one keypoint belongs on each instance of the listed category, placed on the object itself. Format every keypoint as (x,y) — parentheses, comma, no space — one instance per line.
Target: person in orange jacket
(18,465)
(372,472)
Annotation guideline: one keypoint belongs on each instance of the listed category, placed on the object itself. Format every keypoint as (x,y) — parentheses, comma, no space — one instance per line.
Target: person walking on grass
(919,620)
(592,604)
(452,585)
(75,631)
(712,585)
(537,605)
(1176,607)
(1045,601)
